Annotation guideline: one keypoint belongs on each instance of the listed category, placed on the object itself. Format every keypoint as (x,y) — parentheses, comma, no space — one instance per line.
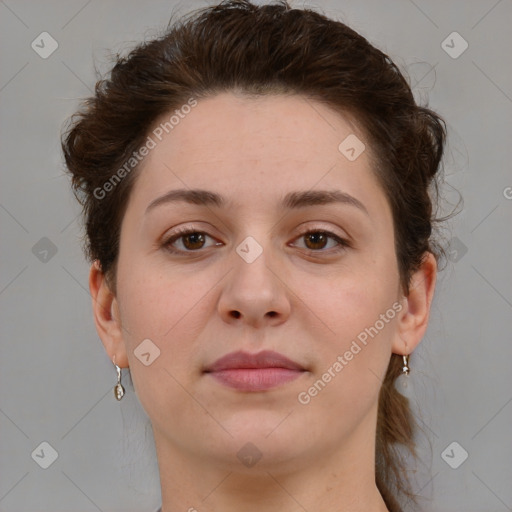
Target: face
(270,266)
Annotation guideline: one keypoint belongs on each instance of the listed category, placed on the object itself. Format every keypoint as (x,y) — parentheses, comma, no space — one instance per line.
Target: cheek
(154,305)
(170,313)
(352,358)
(356,300)
(358,313)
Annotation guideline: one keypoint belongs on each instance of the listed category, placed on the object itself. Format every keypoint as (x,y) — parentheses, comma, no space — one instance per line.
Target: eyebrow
(292,200)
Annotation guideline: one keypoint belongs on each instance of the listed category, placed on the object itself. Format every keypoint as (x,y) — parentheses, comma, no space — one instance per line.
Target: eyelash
(342,243)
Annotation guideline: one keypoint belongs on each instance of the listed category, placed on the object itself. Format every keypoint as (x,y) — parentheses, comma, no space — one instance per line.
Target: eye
(317,240)
(191,240)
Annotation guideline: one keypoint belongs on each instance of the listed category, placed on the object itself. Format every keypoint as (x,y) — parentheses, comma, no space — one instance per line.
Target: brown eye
(318,240)
(187,240)
(193,240)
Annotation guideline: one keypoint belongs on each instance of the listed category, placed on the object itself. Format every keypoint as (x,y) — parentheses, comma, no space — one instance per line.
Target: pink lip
(254,372)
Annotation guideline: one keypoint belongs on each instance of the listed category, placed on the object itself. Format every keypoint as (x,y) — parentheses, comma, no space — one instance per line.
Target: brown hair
(259,50)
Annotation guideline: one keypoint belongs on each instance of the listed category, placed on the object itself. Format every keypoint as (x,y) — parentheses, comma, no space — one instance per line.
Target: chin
(258,424)
(261,441)
(259,456)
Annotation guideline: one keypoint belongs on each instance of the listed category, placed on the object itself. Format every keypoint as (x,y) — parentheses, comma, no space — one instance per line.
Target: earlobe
(413,320)
(106,316)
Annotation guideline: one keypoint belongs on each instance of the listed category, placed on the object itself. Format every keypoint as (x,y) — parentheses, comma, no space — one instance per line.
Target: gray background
(56,380)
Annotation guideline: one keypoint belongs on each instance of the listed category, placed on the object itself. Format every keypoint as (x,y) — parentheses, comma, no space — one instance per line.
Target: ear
(106,316)
(413,318)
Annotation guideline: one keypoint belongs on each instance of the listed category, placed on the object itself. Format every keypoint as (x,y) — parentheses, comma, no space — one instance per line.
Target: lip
(254,372)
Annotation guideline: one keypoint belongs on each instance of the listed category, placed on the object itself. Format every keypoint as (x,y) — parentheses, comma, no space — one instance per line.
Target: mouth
(254,372)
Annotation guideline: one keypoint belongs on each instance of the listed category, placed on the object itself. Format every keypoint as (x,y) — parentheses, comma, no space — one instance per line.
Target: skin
(299,297)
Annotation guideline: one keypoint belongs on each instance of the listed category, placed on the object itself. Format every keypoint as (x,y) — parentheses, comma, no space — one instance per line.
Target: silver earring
(403,383)
(118,388)
(405,367)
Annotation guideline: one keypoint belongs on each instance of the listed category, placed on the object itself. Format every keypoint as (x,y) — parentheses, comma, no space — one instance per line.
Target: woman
(256,191)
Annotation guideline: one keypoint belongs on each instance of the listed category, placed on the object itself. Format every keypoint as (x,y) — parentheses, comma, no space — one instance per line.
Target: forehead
(254,150)
(233,124)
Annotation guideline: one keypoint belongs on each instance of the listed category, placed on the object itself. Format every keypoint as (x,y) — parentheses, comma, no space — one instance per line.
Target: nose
(255,292)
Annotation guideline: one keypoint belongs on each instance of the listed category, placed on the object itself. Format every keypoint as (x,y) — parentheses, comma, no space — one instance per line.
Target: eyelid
(325,229)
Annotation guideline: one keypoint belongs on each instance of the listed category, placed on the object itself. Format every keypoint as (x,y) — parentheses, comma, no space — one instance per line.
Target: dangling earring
(403,382)
(118,388)
(405,367)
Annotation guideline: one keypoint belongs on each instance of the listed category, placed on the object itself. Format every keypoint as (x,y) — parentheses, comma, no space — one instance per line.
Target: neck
(340,480)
